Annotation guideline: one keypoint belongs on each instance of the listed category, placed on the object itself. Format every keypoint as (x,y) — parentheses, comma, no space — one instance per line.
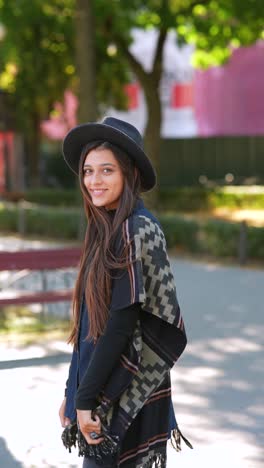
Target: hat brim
(79,136)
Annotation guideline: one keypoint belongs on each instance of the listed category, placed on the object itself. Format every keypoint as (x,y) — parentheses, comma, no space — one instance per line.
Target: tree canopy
(36,63)
(217,27)
(38,51)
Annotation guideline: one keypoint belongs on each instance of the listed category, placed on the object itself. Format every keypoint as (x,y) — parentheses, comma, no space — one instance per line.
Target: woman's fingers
(87,422)
(96,419)
(88,425)
(64,421)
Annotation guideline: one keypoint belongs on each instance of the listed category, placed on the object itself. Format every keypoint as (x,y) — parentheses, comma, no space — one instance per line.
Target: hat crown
(126,128)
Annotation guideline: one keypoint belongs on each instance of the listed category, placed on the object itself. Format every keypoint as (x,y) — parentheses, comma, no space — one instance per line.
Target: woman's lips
(98,192)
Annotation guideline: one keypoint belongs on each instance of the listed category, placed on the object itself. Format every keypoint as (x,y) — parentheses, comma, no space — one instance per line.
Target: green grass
(22,323)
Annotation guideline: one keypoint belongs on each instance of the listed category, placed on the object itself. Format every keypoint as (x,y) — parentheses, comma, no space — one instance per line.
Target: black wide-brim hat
(115,131)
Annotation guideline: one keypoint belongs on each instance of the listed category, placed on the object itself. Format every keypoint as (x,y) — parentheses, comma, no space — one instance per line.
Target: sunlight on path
(217,384)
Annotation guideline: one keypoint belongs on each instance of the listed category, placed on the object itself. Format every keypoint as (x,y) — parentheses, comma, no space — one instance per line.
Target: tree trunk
(150,82)
(85,61)
(152,141)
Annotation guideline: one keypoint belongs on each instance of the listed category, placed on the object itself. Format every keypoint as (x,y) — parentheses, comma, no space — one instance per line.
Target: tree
(101,75)
(38,53)
(36,63)
(213,26)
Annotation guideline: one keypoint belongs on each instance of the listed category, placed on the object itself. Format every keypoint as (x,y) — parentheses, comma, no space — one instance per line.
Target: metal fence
(194,160)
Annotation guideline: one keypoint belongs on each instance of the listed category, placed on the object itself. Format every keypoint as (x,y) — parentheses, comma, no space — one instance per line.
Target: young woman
(127,326)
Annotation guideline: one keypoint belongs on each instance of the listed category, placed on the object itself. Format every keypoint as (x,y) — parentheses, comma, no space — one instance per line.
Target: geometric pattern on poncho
(151,373)
(152,258)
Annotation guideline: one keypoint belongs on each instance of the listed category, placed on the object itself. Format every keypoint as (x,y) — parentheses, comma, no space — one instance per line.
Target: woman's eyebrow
(103,164)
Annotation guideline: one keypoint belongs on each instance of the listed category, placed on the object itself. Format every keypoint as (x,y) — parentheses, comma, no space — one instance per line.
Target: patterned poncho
(136,398)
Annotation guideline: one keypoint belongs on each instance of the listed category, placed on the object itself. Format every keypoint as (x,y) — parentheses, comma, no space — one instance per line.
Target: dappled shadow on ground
(38,361)
(7,457)
(218,384)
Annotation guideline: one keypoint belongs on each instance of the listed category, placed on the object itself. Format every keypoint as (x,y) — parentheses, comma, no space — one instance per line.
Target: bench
(38,260)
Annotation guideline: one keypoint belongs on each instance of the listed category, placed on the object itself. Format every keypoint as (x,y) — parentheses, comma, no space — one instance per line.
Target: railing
(39,260)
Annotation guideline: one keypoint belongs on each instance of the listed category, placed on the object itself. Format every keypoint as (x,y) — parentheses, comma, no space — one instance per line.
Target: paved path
(217,385)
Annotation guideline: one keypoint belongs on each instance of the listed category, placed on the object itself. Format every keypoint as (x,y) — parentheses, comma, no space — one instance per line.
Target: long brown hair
(97,259)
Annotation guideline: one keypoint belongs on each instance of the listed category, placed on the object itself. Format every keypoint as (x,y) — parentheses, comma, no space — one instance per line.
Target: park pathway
(217,384)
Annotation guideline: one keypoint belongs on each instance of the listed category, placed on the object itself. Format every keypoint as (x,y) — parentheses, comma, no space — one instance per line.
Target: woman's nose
(96,178)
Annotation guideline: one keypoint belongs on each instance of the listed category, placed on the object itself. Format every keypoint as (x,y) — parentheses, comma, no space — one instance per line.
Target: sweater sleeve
(119,329)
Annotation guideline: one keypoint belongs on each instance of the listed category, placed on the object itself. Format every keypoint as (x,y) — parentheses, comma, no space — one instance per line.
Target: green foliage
(214,27)
(256,242)
(54,223)
(57,223)
(8,218)
(190,199)
(213,237)
(186,199)
(53,197)
(220,238)
(237,198)
(183,199)
(179,231)
(37,54)
(20,320)
(39,37)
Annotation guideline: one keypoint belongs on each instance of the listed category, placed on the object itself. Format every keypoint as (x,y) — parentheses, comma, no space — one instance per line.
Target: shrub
(59,224)
(233,198)
(219,238)
(214,237)
(194,198)
(180,231)
(185,199)
(8,218)
(256,242)
(53,197)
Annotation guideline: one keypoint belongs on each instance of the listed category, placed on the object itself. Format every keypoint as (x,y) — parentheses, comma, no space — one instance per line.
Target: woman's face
(103,178)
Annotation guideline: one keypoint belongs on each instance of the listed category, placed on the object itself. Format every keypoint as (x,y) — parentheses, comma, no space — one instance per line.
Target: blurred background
(189,74)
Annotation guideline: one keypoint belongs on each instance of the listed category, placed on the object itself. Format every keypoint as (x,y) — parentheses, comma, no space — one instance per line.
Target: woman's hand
(64,421)
(88,425)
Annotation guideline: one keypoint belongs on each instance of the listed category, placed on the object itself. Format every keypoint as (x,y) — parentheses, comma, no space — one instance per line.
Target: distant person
(127,327)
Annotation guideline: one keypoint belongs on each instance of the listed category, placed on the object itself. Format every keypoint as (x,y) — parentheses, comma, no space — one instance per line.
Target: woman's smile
(97,192)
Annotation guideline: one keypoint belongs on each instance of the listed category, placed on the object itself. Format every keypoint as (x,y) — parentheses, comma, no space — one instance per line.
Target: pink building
(229,100)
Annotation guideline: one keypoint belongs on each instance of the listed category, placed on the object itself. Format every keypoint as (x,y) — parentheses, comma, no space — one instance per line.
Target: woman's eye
(106,170)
